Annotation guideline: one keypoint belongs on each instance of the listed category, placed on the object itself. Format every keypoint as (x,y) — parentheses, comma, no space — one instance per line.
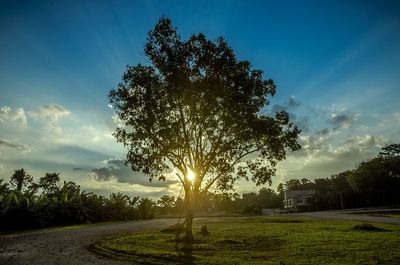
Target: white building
(297,198)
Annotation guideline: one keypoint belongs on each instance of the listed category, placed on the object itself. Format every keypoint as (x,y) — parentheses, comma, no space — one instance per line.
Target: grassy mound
(262,240)
(368,227)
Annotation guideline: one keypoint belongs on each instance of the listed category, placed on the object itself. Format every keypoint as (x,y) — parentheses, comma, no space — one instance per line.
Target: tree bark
(189,214)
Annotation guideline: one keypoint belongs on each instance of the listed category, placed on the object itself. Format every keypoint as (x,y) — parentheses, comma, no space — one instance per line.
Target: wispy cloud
(113,185)
(18,117)
(50,112)
(291,103)
(342,119)
(50,116)
(15,145)
(116,169)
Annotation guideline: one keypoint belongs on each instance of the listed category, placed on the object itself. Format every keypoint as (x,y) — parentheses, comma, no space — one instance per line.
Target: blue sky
(336,64)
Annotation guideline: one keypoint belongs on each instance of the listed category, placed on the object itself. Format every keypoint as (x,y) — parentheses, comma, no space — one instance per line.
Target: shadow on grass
(187,253)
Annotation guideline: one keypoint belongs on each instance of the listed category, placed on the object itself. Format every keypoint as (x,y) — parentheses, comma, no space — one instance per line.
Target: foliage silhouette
(391,150)
(60,204)
(20,179)
(375,182)
(197,108)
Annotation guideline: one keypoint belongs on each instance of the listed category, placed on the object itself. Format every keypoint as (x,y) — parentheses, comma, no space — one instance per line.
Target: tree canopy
(390,150)
(197,108)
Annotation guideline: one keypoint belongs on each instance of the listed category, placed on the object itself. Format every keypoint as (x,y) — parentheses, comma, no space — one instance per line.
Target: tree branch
(230,166)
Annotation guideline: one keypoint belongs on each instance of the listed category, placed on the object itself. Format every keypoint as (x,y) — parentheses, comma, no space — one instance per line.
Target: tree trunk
(189,214)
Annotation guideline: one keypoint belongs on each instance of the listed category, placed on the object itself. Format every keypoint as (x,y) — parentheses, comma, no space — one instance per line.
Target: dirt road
(67,246)
(354,214)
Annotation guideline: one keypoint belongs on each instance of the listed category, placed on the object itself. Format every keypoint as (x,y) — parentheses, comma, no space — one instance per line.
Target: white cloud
(50,116)
(117,170)
(113,185)
(320,157)
(50,112)
(364,142)
(17,116)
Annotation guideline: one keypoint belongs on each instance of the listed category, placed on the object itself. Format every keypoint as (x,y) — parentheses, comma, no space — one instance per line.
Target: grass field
(261,240)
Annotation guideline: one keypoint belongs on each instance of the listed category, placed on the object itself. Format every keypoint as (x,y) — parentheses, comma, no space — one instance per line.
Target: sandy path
(67,246)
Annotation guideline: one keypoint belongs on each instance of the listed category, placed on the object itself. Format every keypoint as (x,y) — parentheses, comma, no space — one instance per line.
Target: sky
(335,63)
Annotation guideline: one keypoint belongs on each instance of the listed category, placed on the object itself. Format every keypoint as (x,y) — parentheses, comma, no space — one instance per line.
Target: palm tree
(146,208)
(20,178)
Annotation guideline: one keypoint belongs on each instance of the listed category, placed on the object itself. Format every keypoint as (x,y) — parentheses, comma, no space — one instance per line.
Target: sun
(190,175)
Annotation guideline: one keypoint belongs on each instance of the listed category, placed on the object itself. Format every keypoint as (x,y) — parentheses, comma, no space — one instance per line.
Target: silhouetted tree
(49,182)
(391,156)
(267,198)
(3,190)
(324,193)
(280,188)
(166,203)
(377,181)
(391,150)
(179,205)
(293,184)
(20,179)
(146,208)
(342,190)
(196,108)
(204,202)
(299,184)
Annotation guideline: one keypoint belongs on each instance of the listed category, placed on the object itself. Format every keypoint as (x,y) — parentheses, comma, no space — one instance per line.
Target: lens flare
(190,175)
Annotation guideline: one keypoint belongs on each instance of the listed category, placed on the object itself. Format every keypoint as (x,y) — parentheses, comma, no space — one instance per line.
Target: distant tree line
(224,202)
(25,204)
(375,182)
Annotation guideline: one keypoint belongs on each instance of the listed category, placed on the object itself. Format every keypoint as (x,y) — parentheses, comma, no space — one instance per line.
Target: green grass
(261,240)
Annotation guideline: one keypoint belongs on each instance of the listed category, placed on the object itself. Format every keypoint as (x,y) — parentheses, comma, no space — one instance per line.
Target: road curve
(67,246)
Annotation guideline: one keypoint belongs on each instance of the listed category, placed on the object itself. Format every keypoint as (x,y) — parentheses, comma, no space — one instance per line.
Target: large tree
(199,112)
